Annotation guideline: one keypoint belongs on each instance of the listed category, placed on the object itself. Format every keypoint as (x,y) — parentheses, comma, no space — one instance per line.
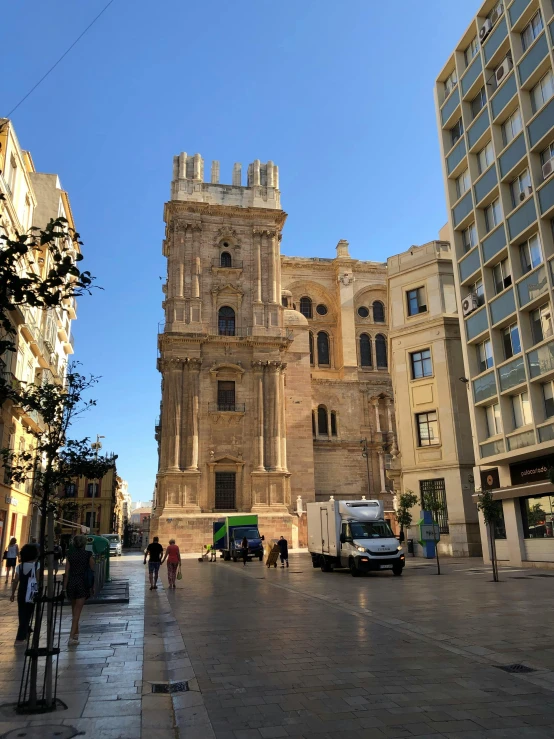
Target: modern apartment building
(495,114)
(431,404)
(43,338)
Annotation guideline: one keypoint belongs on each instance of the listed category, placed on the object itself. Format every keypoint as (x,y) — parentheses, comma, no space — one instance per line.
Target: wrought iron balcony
(235,264)
(226,407)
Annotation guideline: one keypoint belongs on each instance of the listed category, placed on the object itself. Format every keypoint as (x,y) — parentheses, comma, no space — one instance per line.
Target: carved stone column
(171,413)
(194,390)
(196,232)
(375,404)
(273,461)
(272,243)
(258,255)
(388,406)
(258,369)
(382,470)
(283,420)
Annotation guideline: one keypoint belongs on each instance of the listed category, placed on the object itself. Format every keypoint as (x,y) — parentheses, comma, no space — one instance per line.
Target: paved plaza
(301,653)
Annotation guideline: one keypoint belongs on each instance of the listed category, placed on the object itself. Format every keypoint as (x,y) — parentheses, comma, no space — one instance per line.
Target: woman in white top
(12,555)
(24,572)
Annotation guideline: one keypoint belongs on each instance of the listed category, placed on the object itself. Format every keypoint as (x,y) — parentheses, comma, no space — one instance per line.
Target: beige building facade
(432,411)
(274,369)
(43,337)
(495,115)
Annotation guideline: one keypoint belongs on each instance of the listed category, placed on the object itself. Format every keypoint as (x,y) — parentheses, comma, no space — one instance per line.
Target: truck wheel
(315,561)
(397,571)
(226,557)
(234,558)
(354,571)
(326,566)
(261,557)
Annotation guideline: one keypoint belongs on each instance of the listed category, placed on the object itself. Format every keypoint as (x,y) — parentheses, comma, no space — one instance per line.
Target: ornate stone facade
(261,404)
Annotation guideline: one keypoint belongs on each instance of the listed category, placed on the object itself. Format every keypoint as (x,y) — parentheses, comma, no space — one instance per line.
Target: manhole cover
(46,731)
(515,668)
(181,687)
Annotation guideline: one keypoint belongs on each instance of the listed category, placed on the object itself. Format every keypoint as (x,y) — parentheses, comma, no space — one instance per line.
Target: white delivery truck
(353,534)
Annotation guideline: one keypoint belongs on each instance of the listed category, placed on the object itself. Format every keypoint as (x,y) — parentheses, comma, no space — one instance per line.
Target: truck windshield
(373,530)
(249,531)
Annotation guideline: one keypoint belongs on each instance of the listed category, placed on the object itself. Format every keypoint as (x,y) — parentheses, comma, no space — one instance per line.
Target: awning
(533,489)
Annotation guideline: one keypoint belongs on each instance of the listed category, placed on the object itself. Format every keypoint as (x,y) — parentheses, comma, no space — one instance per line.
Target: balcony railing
(491,448)
(261,332)
(546,433)
(519,441)
(541,360)
(226,407)
(11,381)
(235,264)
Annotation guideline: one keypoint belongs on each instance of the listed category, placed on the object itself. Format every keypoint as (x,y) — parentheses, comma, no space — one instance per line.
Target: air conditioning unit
(486,28)
(503,70)
(469,304)
(525,194)
(495,15)
(548,168)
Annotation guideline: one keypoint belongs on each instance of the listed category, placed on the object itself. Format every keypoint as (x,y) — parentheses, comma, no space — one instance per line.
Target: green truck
(231,530)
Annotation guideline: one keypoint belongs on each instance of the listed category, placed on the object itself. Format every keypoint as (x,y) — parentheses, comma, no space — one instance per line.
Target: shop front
(524,533)
(14,516)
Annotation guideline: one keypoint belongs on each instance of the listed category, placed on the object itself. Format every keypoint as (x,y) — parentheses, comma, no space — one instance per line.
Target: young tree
(406,501)
(492,514)
(62,460)
(430,502)
(25,282)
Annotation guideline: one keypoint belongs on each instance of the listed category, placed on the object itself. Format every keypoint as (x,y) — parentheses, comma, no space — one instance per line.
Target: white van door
(324,530)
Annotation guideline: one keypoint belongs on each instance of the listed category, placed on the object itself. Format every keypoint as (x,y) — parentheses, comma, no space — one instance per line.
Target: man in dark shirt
(283,551)
(155,552)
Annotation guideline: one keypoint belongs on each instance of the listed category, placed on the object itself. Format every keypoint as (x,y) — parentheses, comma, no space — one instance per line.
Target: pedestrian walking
(11,555)
(244,550)
(154,552)
(283,551)
(25,582)
(78,582)
(173,556)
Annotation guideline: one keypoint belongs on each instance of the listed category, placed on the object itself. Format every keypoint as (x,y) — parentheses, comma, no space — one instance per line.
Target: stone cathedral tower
(235,430)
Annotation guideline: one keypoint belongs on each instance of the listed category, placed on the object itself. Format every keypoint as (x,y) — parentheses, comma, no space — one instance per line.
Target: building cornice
(176,208)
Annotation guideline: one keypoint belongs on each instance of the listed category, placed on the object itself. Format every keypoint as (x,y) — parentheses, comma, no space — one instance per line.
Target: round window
(225,244)
(363,312)
(322,309)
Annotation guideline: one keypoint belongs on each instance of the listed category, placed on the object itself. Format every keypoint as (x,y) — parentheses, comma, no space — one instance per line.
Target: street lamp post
(96,445)
(365,453)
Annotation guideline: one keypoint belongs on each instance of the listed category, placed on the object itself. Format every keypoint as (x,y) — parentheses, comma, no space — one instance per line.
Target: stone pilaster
(258,369)
(194,391)
(172,370)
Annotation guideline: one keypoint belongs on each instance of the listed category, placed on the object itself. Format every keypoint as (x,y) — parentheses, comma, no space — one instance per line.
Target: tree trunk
(436,550)
(33,686)
(493,553)
(50,626)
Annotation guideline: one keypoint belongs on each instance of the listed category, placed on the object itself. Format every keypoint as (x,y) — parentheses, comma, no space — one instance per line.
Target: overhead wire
(60,59)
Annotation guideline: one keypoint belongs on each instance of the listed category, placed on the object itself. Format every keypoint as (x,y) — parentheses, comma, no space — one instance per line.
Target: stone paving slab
(101,678)
(326,655)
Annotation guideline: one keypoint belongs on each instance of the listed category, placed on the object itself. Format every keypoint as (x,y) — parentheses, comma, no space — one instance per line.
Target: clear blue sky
(338,94)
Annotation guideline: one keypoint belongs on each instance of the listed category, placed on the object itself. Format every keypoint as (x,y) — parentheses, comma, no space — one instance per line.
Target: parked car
(115,544)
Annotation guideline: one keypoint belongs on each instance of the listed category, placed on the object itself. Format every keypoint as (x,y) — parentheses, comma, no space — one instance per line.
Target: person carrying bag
(25,582)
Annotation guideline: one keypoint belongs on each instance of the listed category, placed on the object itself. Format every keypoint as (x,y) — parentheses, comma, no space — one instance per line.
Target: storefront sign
(490,479)
(10,500)
(531,470)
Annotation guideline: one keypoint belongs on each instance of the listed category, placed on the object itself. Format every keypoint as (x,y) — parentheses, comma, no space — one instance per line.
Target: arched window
(381,350)
(226,321)
(378,312)
(225,259)
(365,351)
(333,423)
(322,427)
(311,348)
(323,355)
(306,307)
